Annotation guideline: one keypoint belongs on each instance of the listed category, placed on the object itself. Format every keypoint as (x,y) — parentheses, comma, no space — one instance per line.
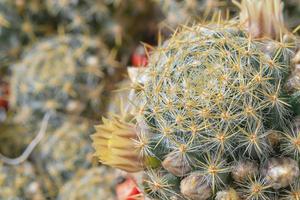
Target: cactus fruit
(19,182)
(212,108)
(63,152)
(95,183)
(65,74)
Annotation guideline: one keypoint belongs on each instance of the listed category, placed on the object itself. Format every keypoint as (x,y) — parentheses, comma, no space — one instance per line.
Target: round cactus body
(19,182)
(96,184)
(65,74)
(212,97)
(207,108)
(213,108)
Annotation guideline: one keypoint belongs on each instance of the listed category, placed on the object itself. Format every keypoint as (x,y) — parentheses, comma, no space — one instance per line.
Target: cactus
(22,23)
(19,182)
(64,74)
(63,152)
(212,107)
(95,183)
(80,16)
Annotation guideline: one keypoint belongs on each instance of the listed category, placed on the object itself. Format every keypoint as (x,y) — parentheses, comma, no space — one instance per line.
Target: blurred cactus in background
(66,74)
(19,182)
(9,35)
(95,184)
(63,152)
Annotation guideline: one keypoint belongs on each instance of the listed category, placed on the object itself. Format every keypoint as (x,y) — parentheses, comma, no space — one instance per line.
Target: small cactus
(213,109)
(64,74)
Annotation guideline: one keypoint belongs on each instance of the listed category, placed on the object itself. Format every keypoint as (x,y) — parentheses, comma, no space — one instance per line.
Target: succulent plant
(213,107)
(95,183)
(65,74)
(19,182)
(63,152)
(24,21)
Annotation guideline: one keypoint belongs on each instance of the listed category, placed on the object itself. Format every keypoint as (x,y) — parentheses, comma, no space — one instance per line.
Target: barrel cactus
(212,112)
(95,183)
(19,182)
(66,74)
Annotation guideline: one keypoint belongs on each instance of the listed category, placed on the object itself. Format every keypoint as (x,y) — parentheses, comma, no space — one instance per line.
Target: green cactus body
(211,98)
(63,152)
(95,184)
(19,182)
(65,74)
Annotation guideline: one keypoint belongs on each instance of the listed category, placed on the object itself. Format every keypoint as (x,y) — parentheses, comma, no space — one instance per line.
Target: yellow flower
(115,146)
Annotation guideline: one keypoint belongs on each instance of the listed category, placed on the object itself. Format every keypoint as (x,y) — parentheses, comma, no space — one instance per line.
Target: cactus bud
(243,169)
(176,163)
(114,144)
(194,187)
(281,172)
(229,194)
